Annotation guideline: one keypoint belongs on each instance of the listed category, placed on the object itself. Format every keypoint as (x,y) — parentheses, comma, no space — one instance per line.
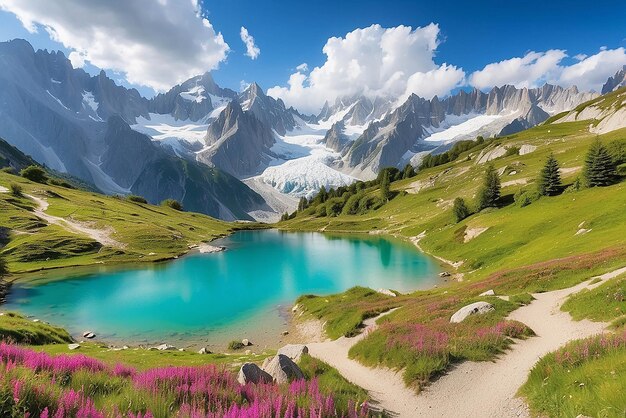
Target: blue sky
(476,33)
(471,35)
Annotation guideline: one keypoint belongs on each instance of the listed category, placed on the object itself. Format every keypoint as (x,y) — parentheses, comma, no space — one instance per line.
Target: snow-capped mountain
(615,82)
(198,142)
(79,124)
(420,125)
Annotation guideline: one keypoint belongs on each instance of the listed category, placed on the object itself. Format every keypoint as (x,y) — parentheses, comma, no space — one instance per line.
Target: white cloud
(537,68)
(252,50)
(303,68)
(592,72)
(155,43)
(531,70)
(375,61)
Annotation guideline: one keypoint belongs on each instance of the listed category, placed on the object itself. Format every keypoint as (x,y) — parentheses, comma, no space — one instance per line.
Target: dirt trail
(103,236)
(471,389)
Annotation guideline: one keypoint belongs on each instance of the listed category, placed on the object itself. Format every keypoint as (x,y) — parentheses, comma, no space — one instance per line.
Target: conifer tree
(408,171)
(385,193)
(302,204)
(549,183)
(599,166)
(489,194)
(460,209)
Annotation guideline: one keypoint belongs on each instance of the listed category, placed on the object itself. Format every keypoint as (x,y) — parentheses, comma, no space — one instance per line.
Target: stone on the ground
(73,346)
(285,332)
(527,149)
(246,342)
(444,274)
(164,347)
(251,373)
(386,292)
(489,292)
(295,308)
(283,369)
(477,308)
(204,350)
(294,351)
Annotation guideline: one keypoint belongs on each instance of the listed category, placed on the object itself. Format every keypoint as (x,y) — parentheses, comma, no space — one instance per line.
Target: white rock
(527,149)
(283,369)
(204,350)
(246,342)
(73,346)
(294,351)
(386,292)
(489,292)
(165,347)
(583,231)
(477,308)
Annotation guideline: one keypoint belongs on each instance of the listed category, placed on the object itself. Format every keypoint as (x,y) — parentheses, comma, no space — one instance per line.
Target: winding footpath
(103,236)
(471,389)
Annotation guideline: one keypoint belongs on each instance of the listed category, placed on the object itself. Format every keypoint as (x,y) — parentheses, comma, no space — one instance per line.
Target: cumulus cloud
(537,68)
(531,70)
(155,43)
(252,50)
(303,68)
(374,61)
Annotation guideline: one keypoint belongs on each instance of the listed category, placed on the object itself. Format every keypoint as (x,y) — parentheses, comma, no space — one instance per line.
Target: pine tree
(302,204)
(489,194)
(322,195)
(549,183)
(408,171)
(599,166)
(460,209)
(385,193)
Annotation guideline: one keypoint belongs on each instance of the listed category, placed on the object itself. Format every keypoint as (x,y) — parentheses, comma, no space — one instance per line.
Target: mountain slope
(78,124)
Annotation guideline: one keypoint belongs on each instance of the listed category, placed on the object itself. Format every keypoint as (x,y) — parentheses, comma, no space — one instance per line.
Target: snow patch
(166,128)
(55,81)
(195,94)
(57,100)
(454,127)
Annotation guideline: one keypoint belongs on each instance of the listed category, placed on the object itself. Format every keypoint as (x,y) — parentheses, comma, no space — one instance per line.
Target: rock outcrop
(294,351)
(477,308)
(251,373)
(283,369)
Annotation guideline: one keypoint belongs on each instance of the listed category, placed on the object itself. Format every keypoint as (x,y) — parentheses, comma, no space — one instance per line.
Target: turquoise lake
(208,299)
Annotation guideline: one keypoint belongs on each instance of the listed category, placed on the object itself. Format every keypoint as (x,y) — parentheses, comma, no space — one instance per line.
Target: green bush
(60,183)
(235,345)
(526,197)
(8,170)
(172,203)
(320,211)
(136,199)
(352,205)
(16,189)
(34,173)
(510,151)
(334,206)
(369,203)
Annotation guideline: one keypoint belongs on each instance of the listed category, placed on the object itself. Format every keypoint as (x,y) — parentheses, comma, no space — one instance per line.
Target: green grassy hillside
(550,243)
(141,232)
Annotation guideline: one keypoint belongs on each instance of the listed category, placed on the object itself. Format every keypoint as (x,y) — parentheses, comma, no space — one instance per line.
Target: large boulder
(477,308)
(283,369)
(251,373)
(294,351)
